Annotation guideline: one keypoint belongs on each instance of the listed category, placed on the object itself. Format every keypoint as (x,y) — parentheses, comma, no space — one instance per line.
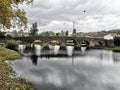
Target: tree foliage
(66,33)
(33,30)
(11,15)
(2,35)
(117,41)
(74,31)
(12,44)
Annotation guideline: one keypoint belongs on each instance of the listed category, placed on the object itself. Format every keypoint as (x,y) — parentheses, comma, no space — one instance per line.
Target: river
(69,69)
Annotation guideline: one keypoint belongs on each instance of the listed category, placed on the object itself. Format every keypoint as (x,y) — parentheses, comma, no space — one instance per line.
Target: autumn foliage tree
(11,15)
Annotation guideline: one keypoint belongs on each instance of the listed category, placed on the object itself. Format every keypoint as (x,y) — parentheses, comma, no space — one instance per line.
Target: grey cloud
(98,14)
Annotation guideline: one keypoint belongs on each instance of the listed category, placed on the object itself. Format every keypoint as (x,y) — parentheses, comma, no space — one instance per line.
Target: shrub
(18,41)
(12,44)
(37,42)
(83,45)
(117,41)
(8,54)
(54,42)
(2,35)
(70,43)
(9,36)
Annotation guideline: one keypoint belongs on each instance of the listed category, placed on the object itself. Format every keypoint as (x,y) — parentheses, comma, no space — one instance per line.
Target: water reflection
(70,50)
(34,59)
(83,49)
(95,70)
(21,48)
(116,57)
(38,49)
(56,49)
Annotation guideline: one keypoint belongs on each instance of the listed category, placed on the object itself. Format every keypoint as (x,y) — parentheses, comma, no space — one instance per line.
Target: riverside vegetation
(7,83)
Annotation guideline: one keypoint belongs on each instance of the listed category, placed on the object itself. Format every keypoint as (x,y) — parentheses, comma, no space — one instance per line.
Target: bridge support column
(92,44)
(77,44)
(62,44)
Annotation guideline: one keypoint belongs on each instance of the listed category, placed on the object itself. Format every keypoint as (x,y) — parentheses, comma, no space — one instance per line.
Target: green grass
(30,85)
(18,41)
(7,83)
(117,49)
(114,49)
(94,47)
(54,42)
(8,54)
(69,44)
(83,45)
(37,42)
(12,44)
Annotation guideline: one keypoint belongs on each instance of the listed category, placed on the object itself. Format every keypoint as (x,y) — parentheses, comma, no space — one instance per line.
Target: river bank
(7,83)
(116,49)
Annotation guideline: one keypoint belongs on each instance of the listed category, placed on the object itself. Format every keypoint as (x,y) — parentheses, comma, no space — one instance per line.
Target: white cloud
(58,15)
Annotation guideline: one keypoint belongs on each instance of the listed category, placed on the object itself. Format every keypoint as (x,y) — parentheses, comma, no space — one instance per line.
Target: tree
(33,30)
(67,33)
(21,33)
(62,33)
(9,36)
(57,34)
(2,35)
(117,41)
(74,32)
(11,15)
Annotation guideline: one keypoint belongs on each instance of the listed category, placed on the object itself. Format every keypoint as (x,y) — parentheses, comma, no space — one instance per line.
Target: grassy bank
(7,83)
(8,54)
(96,47)
(117,49)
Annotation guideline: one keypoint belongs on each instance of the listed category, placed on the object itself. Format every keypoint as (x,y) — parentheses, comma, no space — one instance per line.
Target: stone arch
(71,42)
(54,42)
(98,43)
(86,42)
(37,41)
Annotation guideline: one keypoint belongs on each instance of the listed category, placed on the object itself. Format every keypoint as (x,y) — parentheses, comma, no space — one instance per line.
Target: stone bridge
(90,41)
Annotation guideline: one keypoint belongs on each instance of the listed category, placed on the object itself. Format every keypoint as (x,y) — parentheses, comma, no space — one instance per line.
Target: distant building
(99,36)
(9,33)
(17,34)
(24,34)
(109,36)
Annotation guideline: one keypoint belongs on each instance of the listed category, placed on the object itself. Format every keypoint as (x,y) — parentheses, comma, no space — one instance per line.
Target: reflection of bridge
(77,40)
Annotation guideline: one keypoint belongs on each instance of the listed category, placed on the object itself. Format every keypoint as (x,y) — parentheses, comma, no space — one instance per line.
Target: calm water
(56,69)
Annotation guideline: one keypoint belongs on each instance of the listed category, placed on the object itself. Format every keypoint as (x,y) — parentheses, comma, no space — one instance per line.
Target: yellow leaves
(11,15)
(7,83)
(21,18)
(5,13)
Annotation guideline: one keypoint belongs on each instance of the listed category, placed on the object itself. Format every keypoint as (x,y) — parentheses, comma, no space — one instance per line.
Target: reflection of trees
(34,59)
(116,57)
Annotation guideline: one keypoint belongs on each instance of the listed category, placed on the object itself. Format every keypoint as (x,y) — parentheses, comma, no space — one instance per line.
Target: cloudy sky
(57,15)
